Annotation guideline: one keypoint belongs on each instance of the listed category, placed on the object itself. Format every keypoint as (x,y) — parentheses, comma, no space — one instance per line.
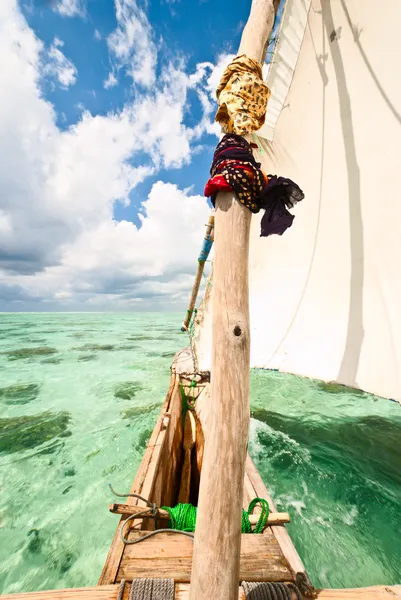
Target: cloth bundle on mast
(242,96)
(235,169)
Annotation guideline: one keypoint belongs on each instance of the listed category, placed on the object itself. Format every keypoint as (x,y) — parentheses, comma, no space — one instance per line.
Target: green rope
(261,524)
(183,516)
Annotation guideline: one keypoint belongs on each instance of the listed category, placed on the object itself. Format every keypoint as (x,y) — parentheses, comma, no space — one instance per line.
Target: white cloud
(129,263)
(223,61)
(132,45)
(110,82)
(59,242)
(5,223)
(70,8)
(59,66)
(97,35)
(58,43)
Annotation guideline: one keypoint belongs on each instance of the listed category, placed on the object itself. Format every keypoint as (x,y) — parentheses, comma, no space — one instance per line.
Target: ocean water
(79,395)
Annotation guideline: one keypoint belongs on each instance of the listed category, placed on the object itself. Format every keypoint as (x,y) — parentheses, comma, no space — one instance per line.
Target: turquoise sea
(79,395)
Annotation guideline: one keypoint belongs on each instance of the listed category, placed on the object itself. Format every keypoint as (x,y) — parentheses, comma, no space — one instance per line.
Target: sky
(106,137)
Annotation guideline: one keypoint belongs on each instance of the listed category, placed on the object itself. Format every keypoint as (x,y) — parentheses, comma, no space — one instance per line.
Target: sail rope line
(151,511)
(183,517)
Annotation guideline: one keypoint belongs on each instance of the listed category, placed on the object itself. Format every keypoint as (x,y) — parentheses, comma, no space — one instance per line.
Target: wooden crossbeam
(274,518)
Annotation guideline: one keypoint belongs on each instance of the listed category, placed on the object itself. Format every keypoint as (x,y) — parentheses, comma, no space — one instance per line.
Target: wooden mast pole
(217,545)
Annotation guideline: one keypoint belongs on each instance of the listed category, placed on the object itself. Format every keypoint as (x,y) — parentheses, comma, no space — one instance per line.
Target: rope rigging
(183,517)
(257,590)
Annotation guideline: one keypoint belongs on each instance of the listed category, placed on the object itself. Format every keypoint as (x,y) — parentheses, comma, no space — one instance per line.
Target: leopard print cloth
(242,97)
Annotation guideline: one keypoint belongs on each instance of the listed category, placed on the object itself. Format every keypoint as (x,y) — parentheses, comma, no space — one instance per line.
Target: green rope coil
(183,516)
(261,524)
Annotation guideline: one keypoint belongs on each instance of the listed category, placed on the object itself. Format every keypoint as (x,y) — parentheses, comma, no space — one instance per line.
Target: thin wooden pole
(217,545)
(198,278)
(274,518)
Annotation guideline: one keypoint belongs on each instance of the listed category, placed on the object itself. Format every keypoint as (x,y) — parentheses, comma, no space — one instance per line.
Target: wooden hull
(170,469)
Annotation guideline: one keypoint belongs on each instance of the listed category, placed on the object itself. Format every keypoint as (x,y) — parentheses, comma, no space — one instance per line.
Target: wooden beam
(370,593)
(274,518)
(216,559)
(189,441)
(198,276)
(281,533)
(104,592)
(109,592)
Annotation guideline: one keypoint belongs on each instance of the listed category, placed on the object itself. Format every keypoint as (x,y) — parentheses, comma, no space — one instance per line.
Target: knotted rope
(147,512)
(152,589)
(256,590)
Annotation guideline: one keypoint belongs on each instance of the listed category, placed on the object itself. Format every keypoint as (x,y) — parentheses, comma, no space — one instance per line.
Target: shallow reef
(19,393)
(29,431)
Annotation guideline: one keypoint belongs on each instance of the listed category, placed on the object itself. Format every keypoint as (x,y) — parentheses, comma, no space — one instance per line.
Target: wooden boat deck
(109,592)
(270,556)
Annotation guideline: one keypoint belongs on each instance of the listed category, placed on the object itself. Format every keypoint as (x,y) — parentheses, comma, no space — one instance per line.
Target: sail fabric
(283,52)
(325,298)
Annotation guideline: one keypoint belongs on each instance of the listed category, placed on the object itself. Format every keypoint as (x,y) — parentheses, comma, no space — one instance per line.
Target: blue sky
(191,29)
(107,132)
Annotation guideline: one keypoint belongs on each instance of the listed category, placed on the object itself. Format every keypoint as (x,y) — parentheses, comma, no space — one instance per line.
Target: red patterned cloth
(234,168)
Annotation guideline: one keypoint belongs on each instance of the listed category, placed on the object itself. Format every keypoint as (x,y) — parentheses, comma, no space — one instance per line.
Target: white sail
(325,298)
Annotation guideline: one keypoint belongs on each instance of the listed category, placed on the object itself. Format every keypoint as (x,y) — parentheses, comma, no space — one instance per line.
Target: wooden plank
(126,509)
(144,473)
(189,440)
(170,555)
(109,592)
(380,592)
(104,592)
(369,593)
(182,592)
(168,480)
(287,546)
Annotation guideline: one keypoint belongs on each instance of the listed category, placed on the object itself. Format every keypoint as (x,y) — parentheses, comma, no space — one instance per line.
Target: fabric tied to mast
(234,168)
(242,96)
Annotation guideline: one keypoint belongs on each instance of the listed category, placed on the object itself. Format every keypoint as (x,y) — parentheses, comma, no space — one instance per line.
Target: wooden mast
(217,546)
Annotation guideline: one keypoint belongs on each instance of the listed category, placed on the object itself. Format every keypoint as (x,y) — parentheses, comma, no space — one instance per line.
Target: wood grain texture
(217,549)
(143,484)
(170,555)
(104,592)
(380,592)
(168,477)
(255,35)
(109,592)
(370,593)
(189,441)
